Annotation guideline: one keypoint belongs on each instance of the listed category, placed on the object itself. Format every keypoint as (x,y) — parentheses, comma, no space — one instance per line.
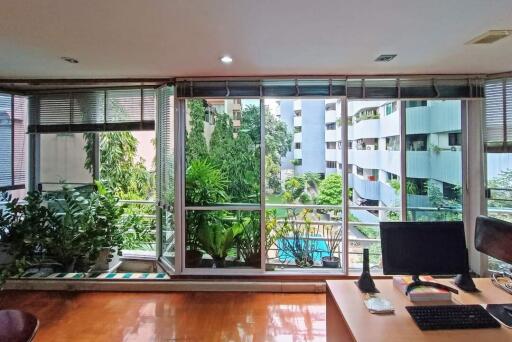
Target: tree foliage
(330,190)
(195,147)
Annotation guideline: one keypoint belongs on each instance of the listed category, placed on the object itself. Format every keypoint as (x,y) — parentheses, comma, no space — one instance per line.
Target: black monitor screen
(415,248)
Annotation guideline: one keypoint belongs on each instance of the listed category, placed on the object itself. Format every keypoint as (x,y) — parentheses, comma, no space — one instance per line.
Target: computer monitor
(494,238)
(425,248)
(415,248)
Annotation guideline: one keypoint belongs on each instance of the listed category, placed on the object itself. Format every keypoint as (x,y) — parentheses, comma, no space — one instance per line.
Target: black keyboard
(440,317)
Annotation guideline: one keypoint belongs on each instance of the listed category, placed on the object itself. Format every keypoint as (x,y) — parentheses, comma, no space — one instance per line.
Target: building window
(416,142)
(359,170)
(297,146)
(298,112)
(455,139)
(237,115)
(390,108)
(298,129)
(393,143)
(330,106)
(330,126)
(330,164)
(331,145)
(339,145)
(340,166)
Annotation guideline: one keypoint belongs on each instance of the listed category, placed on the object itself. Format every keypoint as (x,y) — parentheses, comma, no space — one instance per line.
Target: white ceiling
(165,38)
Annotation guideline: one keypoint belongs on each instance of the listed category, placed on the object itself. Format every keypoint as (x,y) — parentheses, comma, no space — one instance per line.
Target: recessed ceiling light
(70,60)
(385,58)
(490,37)
(226,59)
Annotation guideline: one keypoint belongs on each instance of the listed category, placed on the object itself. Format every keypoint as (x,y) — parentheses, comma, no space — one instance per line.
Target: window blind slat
(93,110)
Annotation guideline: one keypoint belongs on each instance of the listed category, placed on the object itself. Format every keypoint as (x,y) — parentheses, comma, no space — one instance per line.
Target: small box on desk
(422,293)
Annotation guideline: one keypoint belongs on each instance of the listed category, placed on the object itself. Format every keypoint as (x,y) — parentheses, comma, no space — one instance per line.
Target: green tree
(295,188)
(278,142)
(330,190)
(120,169)
(195,146)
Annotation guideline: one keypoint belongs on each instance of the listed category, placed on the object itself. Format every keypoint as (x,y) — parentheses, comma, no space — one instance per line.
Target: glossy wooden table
(17,326)
(349,320)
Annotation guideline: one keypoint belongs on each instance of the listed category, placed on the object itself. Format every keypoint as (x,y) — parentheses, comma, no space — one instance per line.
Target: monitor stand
(465,282)
(416,282)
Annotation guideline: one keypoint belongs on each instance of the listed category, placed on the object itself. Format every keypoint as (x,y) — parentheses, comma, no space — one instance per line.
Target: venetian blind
(92,110)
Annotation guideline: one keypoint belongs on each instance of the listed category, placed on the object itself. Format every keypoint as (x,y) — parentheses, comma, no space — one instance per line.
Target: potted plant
(218,238)
(205,185)
(333,235)
(104,213)
(249,240)
(296,239)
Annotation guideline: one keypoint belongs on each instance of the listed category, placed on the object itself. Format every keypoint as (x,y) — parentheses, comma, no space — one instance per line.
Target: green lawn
(277,199)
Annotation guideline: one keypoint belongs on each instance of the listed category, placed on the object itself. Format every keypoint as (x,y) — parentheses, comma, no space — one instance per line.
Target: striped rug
(98,276)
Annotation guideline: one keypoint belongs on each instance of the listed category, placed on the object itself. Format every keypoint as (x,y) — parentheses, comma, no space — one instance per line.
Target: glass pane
(303,184)
(127,167)
(222,151)
(66,158)
(434,160)
(499,183)
(374,176)
(223,239)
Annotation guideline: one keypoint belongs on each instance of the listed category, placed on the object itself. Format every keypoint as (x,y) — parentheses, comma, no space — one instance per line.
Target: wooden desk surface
(347,316)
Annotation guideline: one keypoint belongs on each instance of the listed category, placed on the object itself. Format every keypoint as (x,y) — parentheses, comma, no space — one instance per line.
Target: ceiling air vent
(384,58)
(490,37)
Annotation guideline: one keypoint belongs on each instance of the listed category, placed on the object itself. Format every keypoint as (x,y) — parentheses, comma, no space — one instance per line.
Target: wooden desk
(349,320)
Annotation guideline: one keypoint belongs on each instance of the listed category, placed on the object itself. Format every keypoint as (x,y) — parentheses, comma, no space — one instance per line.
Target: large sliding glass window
(222,183)
(374,174)
(434,160)
(303,184)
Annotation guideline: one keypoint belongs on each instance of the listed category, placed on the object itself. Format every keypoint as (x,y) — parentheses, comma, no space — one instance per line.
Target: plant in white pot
(333,235)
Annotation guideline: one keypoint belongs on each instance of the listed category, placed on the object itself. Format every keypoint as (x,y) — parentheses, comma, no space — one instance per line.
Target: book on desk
(421,293)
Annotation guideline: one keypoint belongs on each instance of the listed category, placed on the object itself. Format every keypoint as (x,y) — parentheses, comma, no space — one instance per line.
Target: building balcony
(297,105)
(366,129)
(367,159)
(297,121)
(443,166)
(297,154)
(297,137)
(437,116)
(389,196)
(389,161)
(330,116)
(390,125)
(331,136)
(332,154)
(366,188)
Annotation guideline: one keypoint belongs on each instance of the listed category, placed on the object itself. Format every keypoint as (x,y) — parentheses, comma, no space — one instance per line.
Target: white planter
(103,263)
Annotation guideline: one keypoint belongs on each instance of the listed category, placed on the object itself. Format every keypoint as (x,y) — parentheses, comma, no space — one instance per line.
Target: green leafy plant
(249,240)
(218,238)
(295,237)
(395,184)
